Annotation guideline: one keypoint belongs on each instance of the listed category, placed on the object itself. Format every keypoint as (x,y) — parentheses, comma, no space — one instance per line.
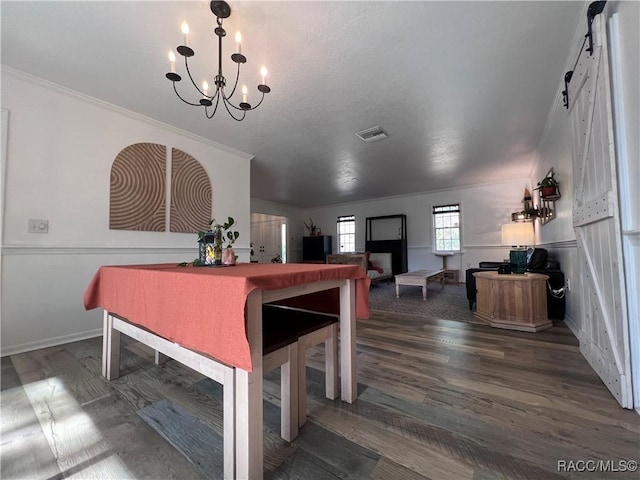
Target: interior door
(596,221)
(267,240)
(271,235)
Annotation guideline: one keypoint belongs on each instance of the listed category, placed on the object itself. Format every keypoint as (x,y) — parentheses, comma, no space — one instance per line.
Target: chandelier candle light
(221,10)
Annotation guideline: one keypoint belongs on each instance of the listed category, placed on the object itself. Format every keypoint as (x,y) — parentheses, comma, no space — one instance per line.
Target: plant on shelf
(548,186)
(313,229)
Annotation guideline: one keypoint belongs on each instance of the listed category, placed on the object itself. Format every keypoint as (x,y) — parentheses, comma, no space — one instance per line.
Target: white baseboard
(50,342)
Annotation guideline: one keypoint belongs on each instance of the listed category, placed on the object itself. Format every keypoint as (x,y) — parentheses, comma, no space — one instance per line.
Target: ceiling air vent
(372,134)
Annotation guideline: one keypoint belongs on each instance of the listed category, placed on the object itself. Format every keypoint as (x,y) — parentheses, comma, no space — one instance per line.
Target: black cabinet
(315,249)
(389,234)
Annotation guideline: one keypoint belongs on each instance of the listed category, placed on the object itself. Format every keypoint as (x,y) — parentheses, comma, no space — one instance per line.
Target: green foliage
(276,259)
(548,181)
(230,235)
(195,263)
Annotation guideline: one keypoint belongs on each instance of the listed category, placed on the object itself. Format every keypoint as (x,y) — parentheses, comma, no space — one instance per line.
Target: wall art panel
(138,192)
(191,195)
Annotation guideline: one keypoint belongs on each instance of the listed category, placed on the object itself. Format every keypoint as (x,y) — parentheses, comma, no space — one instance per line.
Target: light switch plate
(38,226)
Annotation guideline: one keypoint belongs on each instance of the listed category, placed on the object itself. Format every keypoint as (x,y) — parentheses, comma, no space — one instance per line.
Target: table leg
(249,433)
(331,363)
(160,358)
(424,290)
(110,348)
(348,364)
(229,424)
(289,392)
(397,289)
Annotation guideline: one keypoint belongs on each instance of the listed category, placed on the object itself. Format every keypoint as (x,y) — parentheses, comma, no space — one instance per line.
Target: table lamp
(518,235)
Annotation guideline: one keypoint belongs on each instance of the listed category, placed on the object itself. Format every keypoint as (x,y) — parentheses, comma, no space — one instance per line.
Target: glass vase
(217,246)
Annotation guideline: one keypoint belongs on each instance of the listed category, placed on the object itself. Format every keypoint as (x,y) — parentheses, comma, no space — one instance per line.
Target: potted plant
(277,258)
(212,242)
(313,229)
(548,186)
(229,236)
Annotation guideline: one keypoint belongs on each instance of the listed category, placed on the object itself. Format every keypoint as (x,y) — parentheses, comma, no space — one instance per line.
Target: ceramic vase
(229,256)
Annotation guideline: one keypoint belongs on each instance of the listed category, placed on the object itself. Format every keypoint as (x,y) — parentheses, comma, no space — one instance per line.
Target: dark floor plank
(201,445)
(9,377)
(301,465)
(353,460)
(390,470)
(392,445)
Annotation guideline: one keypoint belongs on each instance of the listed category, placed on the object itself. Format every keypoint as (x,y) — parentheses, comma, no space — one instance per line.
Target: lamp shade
(517,234)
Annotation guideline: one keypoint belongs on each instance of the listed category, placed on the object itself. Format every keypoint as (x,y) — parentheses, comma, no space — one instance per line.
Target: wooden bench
(310,329)
(287,333)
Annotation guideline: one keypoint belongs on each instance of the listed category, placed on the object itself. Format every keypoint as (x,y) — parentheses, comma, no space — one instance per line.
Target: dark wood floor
(439,399)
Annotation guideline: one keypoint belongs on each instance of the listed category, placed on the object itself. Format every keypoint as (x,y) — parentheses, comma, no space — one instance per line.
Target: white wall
(485,208)
(60,149)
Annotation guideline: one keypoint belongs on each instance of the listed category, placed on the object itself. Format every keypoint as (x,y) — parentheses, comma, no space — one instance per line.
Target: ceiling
(463,89)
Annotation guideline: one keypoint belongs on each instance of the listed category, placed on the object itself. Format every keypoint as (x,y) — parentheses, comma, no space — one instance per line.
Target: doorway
(268,238)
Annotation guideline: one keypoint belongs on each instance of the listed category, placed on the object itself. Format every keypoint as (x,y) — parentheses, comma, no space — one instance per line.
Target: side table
(512,301)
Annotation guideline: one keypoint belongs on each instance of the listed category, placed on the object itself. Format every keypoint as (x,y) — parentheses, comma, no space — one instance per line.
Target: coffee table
(419,278)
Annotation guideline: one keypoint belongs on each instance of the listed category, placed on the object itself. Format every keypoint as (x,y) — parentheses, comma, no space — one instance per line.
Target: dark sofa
(538,263)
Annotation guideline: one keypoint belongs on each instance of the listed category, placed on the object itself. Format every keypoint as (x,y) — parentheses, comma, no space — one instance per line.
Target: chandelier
(210,103)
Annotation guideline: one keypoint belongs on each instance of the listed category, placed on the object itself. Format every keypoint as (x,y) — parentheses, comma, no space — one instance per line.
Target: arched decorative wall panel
(190,194)
(138,194)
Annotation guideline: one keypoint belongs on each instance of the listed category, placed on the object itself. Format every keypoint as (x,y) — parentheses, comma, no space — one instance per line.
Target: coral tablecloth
(203,308)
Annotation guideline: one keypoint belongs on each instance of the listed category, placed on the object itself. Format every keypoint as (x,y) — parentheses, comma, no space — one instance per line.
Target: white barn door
(596,220)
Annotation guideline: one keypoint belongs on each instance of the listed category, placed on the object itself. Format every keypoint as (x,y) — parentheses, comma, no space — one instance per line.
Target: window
(347,234)
(446,227)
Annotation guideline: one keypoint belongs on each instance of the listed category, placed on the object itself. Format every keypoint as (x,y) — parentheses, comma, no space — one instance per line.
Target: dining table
(210,319)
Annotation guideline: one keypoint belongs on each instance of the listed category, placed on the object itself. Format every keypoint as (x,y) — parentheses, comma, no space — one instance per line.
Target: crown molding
(19,74)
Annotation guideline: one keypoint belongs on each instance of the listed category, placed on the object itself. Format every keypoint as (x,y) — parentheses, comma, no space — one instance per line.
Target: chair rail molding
(559,244)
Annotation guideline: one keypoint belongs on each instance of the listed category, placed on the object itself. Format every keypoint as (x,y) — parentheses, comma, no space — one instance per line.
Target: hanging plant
(548,186)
